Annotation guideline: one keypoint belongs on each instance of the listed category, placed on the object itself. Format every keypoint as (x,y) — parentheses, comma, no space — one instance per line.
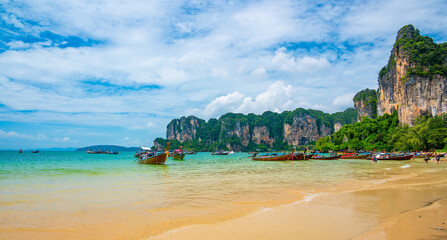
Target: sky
(76,73)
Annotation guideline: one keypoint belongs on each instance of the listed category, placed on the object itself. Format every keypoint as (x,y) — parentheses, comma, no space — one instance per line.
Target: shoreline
(322,204)
(297,208)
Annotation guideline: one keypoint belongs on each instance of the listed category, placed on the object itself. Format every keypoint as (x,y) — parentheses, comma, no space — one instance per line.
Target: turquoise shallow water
(199,179)
(69,190)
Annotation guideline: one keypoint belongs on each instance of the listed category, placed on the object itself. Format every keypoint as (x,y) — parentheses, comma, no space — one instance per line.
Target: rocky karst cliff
(184,128)
(414,80)
(246,132)
(365,103)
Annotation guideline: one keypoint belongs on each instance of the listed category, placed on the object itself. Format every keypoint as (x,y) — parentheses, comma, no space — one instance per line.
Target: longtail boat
(333,157)
(354,156)
(156,159)
(396,157)
(219,153)
(302,156)
(190,152)
(178,156)
(284,157)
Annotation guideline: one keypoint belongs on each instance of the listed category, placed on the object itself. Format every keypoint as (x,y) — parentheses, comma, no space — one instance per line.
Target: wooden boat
(354,156)
(157,159)
(396,157)
(35,151)
(190,152)
(284,157)
(300,156)
(20,151)
(178,156)
(421,155)
(219,153)
(333,157)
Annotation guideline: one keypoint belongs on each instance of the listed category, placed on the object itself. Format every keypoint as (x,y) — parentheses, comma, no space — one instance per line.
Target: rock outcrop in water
(249,132)
(414,80)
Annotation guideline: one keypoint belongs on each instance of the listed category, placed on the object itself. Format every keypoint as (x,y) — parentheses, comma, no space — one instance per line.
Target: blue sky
(76,72)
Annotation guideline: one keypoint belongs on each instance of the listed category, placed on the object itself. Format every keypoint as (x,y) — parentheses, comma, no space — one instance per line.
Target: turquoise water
(60,190)
(199,179)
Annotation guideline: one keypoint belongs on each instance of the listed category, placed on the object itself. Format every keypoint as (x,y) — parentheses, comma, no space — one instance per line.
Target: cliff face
(414,81)
(184,128)
(365,103)
(261,135)
(304,130)
(243,132)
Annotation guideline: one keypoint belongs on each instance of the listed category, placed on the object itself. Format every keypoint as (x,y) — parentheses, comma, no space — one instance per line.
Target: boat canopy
(146,148)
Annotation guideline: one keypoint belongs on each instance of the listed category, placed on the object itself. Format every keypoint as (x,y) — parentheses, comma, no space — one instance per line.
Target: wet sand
(409,207)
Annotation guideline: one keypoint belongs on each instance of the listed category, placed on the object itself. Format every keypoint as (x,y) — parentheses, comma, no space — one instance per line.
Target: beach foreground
(228,198)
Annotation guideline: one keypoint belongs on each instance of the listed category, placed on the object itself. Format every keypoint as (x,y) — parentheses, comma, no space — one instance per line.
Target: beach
(73,195)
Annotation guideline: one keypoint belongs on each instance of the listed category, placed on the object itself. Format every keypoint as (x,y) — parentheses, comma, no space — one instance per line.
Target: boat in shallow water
(354,156)
(396,157)
(155,159)
(220,153)
(273,157)
(333,157)
(178,156)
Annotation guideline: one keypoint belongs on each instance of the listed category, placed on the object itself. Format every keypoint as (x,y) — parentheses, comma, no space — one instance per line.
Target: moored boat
(220,153)
(333,157)
(178,156)
(354,156)
(396,157)
(155,159)
(273,157)
(20,151)
(190,152)
(35,151)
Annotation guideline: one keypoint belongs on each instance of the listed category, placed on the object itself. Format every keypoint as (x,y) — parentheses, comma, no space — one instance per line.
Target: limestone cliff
(248,132)
(414,80)
(365,103)
(304,130)
(261,135)
(184,128)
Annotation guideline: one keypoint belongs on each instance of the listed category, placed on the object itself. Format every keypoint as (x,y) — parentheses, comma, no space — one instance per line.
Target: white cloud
(62,139)
(18,45)
(343,100)
(278,97)
(284,61)
(13,134)
(224,104)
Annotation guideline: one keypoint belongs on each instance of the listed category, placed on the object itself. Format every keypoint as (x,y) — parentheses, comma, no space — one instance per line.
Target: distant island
(112,148)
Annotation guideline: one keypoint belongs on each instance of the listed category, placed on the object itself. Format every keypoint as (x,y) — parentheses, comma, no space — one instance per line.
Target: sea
(48,195)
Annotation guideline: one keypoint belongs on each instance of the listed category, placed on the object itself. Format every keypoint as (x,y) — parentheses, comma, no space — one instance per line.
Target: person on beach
(426,159)
(375,158)
(438,158)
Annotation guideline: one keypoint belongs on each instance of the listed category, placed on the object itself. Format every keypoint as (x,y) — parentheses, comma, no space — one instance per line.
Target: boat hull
(223,153)
(397,158)
(335,157)
(359,156)
(286,157)
(178,156)
(158,159)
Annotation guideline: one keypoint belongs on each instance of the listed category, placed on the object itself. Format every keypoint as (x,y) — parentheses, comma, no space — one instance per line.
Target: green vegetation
(426,57)
(220,134)
(385,132)
(369,98)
